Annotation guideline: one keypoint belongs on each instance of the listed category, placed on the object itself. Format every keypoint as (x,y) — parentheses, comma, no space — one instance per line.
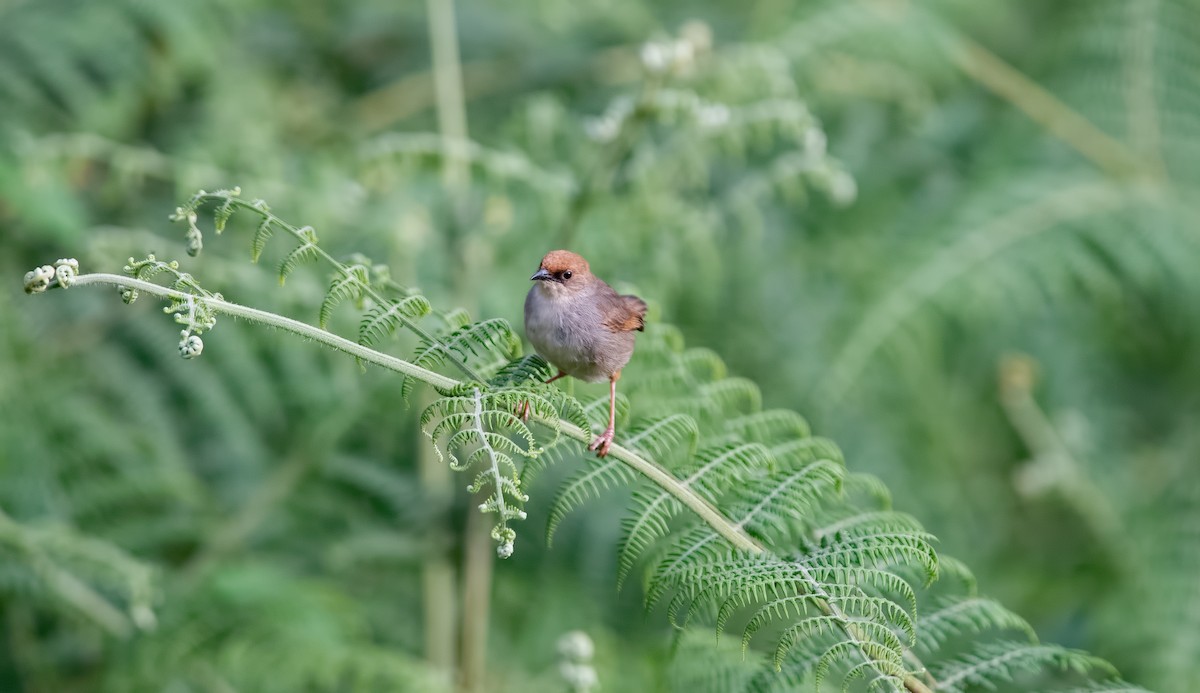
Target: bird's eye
(566,274)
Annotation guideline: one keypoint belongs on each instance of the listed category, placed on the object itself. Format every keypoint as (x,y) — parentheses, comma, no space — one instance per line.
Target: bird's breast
(572,337)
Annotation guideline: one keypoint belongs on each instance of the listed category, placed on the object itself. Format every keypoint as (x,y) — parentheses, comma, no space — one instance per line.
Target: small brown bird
(582,326)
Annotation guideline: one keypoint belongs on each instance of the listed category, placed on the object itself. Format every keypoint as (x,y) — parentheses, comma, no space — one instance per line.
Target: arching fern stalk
(745,519)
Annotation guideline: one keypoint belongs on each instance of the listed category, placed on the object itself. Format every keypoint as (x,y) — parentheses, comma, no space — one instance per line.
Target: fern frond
(384,319)
(503,165)
(485,425)
(530,368)
(89,577)
(772,507)
(851,603)
(713,471)
(965,616)
(669,433)
(996,662)
(882,548)
(491,342)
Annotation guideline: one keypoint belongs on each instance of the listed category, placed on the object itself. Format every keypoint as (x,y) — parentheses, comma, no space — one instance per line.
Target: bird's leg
(524,410)
(604,442)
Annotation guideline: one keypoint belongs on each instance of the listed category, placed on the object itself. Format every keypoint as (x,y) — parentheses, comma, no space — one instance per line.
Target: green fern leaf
(305,252)
(713,471)
(262,234)
(671,432)
(350,284)
(384,319)
(487,343)
(996,662)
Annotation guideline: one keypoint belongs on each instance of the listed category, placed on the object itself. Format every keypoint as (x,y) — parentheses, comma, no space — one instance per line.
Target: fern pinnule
(304,253)
(879,549)
(347,285)
(528,369)
(383,319)
(262,235)
(991,663)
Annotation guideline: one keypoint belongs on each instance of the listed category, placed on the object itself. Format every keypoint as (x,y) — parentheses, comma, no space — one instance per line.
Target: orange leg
(604,442)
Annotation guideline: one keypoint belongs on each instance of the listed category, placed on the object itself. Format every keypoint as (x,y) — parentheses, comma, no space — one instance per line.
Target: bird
(583,327)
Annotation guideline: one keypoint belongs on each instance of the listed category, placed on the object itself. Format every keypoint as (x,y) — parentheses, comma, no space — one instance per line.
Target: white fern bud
(65,270)
(576,646)
(582,678)
(576,649)
(190,345)
(38,279)
(655,57)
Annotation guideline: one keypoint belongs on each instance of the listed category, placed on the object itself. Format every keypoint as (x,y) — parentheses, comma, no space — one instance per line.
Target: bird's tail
(637,311)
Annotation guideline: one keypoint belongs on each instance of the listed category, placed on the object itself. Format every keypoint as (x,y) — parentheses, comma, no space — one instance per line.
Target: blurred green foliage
(978,276)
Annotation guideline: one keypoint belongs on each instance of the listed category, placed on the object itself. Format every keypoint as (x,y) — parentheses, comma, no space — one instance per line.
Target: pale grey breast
(569,332)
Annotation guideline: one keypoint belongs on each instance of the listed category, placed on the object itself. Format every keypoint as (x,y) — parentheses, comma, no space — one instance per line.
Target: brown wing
(625,313)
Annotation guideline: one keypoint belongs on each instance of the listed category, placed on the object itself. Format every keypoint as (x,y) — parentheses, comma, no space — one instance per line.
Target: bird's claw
(524,409)
(602,443)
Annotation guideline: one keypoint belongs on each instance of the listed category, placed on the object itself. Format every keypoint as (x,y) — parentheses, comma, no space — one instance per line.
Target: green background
(979,274)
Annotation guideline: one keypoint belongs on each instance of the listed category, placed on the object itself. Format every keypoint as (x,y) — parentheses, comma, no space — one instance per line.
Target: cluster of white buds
(576,649)
(190,345)
(678,55)
(505,537)
(38,279)
(61,273)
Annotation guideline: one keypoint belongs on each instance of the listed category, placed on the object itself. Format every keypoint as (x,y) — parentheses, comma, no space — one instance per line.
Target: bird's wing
(624,313)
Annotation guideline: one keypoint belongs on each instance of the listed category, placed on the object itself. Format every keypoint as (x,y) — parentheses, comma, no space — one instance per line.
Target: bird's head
(562,273)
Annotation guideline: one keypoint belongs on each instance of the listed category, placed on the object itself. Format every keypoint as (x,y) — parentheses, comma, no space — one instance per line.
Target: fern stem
(274,320)
(75,592)
(1111,155)
(729,530)
(344,270)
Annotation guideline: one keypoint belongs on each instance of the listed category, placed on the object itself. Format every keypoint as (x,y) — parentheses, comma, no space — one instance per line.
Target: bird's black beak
(541,275)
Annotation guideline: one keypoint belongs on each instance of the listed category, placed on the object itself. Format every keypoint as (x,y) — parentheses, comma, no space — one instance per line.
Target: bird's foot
(523,410)
(603,442)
